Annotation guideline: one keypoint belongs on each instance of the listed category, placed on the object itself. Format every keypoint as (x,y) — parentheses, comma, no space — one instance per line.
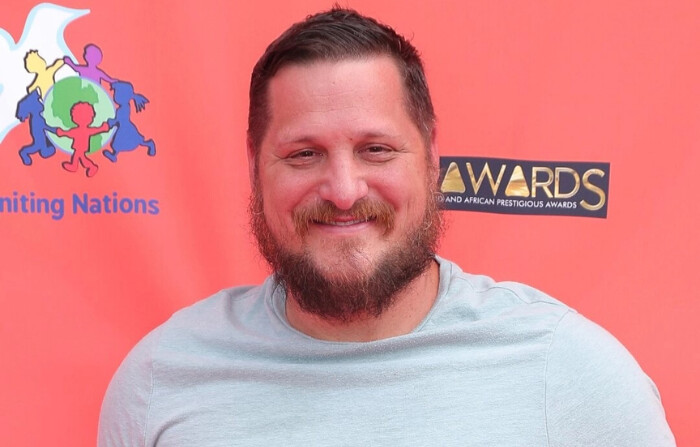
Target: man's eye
(304,157)
(378,153)
(303,154)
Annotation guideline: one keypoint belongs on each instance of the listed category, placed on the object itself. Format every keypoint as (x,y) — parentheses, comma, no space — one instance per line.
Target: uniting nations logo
(74,111)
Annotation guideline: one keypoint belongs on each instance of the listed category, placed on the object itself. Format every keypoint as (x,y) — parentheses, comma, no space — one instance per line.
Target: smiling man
(344,205)
(363,336)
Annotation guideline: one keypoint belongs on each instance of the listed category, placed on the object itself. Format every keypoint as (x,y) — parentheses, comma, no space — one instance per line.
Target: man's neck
(410,308)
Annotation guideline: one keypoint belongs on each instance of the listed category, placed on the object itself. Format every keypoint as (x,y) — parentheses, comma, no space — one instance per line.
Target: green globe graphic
(59,100)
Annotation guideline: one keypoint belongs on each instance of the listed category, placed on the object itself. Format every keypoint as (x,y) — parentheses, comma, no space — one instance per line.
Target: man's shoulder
(489,297)
(590,376)
(189,337)
(193,329)
(211,317)
(214,306)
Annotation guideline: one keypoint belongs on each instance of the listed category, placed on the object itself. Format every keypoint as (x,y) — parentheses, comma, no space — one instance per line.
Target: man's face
(343,183)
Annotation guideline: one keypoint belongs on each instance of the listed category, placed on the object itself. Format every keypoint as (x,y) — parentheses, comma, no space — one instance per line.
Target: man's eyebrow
(313,139)
(303,139)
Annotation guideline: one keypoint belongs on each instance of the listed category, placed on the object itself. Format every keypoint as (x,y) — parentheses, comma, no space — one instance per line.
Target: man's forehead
(333,84)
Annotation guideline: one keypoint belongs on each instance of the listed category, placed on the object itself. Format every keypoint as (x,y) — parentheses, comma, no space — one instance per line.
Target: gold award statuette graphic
(506,186)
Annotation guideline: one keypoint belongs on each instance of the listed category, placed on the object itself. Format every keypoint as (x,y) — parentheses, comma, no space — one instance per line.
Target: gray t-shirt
(492,364)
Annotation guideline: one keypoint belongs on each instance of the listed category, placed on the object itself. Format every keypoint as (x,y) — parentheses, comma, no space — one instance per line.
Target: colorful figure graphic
(43,31)
(92,56)
(127,136)
(44,76)
(82,114)
(31,107)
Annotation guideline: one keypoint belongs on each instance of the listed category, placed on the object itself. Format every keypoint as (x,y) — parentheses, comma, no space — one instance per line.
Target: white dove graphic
(43,31)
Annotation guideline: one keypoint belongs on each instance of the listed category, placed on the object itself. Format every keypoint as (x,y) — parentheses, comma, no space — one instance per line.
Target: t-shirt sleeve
(596,393)
(124,414)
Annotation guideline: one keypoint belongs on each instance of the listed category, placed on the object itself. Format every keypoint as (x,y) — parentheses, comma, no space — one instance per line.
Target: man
(363,336)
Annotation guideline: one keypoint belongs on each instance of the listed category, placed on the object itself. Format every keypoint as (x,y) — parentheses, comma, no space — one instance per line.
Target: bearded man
(363,336)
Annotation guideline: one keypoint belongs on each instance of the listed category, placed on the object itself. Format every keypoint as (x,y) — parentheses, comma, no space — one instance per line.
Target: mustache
(326,212)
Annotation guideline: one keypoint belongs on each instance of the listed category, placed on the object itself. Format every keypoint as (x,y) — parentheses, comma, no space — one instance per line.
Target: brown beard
(351,294)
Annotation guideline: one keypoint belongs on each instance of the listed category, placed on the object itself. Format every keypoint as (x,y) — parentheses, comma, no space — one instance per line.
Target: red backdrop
(615,82)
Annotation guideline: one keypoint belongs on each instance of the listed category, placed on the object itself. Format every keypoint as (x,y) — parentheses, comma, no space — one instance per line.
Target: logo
(505,186)
(43,31)
(76,115)
(72,107)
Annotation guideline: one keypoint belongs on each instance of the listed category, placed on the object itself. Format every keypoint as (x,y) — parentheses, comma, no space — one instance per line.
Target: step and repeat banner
(569,135)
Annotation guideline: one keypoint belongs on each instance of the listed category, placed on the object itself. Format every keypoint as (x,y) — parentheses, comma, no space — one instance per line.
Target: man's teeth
(349,222)
(344,223)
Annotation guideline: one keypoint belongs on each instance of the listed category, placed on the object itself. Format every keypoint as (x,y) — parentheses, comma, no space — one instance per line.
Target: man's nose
(344,183)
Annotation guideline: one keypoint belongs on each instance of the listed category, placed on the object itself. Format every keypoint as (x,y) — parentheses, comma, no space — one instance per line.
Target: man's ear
(252,171)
